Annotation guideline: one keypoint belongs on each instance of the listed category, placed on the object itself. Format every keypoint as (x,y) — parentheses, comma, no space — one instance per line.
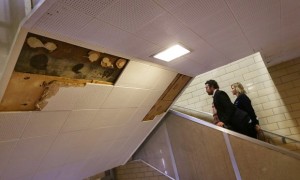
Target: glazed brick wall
(274,91)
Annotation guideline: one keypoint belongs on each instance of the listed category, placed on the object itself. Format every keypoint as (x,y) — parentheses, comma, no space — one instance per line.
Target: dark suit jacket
(244,103)
(236,119)
(224,106)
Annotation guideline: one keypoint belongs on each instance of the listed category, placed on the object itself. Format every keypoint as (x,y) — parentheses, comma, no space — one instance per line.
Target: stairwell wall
(274,92)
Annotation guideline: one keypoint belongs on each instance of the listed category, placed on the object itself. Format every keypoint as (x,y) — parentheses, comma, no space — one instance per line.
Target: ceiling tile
(140,75)
(79,120)
(47,175)
(166,30)
(192,11)
(137,12)
(12,125)
(92,8)
(152,98)
(221,18)
(121,97)
(254,14)
(69,171)
(45,123)
(288,6)
(18,169)
(92,167)
(65,99)
(112,117)
(102,33)
(58,153)
(190,67)
(93,96)
(62,19)
(6,149)
(24,149)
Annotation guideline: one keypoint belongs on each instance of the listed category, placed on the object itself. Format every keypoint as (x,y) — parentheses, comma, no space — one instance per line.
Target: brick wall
(274,91)
(138,170)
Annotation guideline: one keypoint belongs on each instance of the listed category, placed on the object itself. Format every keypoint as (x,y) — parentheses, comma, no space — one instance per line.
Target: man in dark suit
(231,117)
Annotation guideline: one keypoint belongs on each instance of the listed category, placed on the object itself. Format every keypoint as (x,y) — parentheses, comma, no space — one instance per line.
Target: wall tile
(274,91)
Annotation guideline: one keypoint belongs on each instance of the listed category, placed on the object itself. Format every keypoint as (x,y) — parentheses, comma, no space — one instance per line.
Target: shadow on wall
(286,78)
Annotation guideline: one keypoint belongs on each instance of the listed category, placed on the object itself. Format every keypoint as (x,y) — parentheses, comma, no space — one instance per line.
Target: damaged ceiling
(86,129)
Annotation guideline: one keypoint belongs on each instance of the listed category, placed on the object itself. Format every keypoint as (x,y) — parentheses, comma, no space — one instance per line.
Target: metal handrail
(205,114)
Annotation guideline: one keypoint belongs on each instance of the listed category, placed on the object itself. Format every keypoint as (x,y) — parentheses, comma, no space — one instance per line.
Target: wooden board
(168,97)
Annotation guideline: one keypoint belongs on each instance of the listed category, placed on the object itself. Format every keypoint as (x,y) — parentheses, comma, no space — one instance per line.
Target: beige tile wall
(274,91)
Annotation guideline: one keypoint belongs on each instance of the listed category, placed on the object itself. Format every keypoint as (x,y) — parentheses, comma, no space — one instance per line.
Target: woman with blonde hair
(244,103)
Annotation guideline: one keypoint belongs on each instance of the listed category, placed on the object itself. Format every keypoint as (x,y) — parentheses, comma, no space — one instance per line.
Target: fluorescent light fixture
(172,53)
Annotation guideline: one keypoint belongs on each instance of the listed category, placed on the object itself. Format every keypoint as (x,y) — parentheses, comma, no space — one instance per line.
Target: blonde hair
(239,88)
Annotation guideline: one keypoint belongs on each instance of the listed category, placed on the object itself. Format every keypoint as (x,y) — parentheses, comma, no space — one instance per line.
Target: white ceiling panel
(138,13)
(112,117)
(78,154)
(99,150)
(102,33)
(60,19)
(12,125)
(166,30)
(6,149)
(288,6)
(47,175)
(58,153)
(92,167)
(92,96)
(24,148)
(69,171)
(252,13)
(160,79)
(220,19)
(151,98)
(45,123)
(189,67)
(192,11)
(259,15)
(78,120)
(230,41)
(64,99)
(17,168)
(121,97)
(92,8)
(144,76)
(133,76)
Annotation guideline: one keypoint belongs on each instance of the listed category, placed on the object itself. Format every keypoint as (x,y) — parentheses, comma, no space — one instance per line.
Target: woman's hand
(220,123)
(257,127)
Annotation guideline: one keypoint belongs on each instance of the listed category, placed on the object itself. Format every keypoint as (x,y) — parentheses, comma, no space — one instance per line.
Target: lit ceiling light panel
(172,53)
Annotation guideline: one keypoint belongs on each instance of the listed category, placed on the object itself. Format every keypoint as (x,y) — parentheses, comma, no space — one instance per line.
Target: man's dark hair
(212,83)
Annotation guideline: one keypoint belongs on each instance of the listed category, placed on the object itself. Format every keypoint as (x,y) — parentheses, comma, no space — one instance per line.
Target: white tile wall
(274,91)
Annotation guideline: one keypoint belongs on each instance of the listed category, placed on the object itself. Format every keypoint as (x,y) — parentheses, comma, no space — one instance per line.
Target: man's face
(209,90)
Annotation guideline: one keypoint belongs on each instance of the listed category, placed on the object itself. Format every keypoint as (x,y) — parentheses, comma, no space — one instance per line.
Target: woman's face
(233,90)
